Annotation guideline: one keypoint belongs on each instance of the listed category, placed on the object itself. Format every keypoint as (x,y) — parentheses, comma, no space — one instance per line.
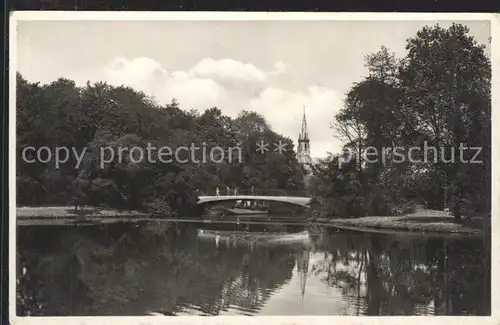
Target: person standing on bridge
(235,191)
(217,192)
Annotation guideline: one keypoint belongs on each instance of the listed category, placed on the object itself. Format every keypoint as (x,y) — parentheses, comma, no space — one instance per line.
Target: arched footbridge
(299,201)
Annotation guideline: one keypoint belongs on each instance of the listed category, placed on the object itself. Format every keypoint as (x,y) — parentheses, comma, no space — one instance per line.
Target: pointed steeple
(304,136)
(303,149)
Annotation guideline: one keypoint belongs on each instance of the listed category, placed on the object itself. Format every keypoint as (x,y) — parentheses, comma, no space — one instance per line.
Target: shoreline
(422,222)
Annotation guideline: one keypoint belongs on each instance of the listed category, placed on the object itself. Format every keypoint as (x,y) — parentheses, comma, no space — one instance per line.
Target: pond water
(125,270)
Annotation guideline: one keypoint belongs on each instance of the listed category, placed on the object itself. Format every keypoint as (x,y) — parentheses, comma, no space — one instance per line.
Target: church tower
(303,149)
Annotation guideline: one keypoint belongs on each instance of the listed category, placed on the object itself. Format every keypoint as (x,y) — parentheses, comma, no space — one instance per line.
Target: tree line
(438,95)
(97,116)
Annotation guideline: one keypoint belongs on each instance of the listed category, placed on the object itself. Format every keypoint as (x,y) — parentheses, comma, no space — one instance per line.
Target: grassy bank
(421,221)
(69,212)
(66,215)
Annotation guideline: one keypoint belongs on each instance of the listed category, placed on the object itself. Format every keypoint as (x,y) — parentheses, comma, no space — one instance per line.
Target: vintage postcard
(312,167)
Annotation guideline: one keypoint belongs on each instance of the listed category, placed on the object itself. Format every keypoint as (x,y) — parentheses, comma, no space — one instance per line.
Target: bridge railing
(260,192)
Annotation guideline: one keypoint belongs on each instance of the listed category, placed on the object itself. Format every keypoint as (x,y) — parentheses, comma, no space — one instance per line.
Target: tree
(446,84)
(437,95)
(101,119)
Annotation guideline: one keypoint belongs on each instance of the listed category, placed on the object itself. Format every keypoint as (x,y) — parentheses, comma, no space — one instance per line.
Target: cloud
(228,71)
(140,73)
(281,67)
(284,110)
(233,86)
(192,92)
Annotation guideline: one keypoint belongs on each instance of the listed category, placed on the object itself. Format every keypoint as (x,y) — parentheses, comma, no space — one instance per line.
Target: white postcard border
(241,320)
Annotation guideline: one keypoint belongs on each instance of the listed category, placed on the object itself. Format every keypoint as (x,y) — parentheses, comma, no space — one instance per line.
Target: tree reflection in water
(387,275)
(124,270)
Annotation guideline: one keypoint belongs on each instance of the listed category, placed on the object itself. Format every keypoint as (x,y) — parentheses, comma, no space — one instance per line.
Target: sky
(272,67)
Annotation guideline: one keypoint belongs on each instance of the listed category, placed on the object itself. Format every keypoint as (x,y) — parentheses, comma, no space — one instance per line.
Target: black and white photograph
(251,164)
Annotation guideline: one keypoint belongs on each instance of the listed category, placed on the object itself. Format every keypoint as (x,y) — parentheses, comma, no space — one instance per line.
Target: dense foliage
(99,116)
(438,95)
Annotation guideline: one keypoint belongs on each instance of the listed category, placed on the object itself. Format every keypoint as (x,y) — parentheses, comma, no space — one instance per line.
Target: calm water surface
(114,270)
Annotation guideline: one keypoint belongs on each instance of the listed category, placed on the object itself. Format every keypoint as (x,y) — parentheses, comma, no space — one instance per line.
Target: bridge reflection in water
(114,270)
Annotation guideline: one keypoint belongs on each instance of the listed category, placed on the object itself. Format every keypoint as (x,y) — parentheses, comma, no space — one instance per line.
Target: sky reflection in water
(103,272)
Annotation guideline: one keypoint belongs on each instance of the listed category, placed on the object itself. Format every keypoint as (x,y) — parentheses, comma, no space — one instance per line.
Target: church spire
(303,149)
(304,136)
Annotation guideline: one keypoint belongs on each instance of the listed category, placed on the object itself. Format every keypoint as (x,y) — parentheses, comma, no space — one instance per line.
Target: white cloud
(281,67)
(284,110)
(228,70)
(232,86)
(140,73)
(199,93)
